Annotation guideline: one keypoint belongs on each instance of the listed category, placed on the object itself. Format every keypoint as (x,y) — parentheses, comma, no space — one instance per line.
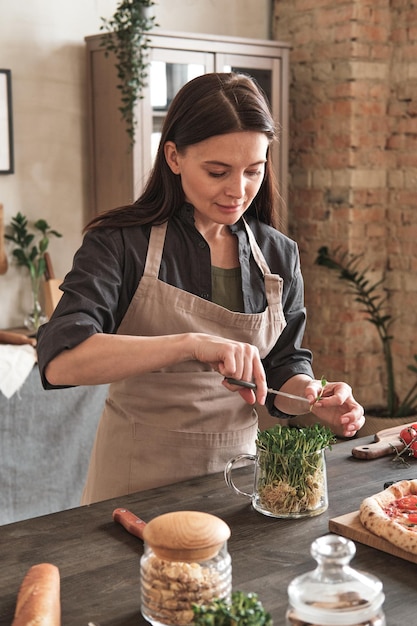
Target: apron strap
(155,248)
(256,251)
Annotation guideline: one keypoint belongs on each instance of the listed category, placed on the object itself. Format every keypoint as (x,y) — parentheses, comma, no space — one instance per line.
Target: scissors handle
(299,405)
(240,383)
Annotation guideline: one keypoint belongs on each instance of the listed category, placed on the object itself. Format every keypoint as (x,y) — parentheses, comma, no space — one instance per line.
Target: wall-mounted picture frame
(6,123)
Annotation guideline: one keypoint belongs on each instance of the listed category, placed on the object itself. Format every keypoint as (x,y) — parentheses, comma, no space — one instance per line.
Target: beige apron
(179,422)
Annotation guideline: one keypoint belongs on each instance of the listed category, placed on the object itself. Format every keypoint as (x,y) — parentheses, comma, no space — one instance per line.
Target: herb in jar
(291,464)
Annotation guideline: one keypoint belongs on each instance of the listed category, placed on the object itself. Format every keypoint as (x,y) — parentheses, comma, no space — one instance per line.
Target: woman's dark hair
(209,105)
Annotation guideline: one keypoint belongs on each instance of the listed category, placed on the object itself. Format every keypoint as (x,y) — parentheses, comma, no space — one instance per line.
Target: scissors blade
(301,402)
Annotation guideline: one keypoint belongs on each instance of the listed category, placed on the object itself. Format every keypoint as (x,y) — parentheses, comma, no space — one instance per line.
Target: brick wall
(353,173)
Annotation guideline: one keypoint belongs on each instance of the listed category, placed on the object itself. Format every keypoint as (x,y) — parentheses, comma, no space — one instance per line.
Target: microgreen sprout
(323,383)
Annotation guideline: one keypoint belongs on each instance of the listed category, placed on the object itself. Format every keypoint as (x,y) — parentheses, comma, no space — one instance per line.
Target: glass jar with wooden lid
(185,562)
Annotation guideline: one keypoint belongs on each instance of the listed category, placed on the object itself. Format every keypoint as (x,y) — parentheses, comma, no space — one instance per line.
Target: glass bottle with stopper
(335,594)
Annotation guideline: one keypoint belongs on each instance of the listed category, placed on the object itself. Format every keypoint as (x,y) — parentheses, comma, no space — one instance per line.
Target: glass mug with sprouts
(290,477)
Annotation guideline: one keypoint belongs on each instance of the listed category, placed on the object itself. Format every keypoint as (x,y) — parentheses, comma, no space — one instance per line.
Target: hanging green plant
(126,37)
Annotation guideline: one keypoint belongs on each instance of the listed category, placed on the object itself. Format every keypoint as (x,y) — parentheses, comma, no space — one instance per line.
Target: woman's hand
(233,359)
(335,405)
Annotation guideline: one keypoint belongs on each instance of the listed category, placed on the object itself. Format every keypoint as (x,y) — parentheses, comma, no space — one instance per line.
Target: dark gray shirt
(109,265)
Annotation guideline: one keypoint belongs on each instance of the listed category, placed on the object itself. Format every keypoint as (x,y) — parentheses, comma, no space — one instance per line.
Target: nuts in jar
(185,563)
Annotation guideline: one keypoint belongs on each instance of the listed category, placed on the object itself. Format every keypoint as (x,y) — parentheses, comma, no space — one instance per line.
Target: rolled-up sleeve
(92,300)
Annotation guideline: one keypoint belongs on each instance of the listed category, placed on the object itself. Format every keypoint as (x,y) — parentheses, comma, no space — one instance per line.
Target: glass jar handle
(228,473)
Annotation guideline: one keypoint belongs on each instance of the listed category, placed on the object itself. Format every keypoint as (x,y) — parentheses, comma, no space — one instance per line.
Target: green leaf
(28,251)
(245,609)
(125,38)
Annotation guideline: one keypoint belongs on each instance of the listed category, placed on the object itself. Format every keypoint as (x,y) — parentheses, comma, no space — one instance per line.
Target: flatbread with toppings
(392,514)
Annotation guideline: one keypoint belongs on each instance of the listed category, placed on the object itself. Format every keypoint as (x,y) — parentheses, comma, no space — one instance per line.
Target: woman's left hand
(336,406)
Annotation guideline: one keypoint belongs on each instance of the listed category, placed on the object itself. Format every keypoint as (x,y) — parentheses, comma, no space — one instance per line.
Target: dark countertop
(99,560)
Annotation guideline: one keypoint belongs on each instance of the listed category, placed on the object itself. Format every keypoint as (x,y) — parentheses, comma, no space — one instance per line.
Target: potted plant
(374,301)
(126,37)
(31,254)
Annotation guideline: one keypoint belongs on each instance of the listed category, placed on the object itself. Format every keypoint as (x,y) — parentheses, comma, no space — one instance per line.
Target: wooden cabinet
(118,171)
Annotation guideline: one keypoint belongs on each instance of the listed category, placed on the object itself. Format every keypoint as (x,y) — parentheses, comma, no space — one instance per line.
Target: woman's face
(221,175)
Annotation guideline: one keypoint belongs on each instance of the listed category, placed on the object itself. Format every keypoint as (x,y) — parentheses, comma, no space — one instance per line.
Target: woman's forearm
(104,358)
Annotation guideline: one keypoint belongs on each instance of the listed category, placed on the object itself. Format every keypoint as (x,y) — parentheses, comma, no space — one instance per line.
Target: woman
(189,285)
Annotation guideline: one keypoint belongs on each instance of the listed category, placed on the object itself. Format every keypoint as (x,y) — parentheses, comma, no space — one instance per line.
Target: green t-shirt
(227,288)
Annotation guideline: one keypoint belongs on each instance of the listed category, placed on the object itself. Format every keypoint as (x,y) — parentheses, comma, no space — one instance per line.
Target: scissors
(303,404)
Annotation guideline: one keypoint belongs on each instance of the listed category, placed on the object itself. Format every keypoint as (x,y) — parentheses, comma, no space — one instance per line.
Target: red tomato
(409,434)
(412,518)
(408,503)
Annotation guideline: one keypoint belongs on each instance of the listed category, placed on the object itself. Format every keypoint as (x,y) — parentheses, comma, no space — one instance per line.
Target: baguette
(38,600)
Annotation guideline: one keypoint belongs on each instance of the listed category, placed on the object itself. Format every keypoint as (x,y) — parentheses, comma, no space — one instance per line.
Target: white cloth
(16,363)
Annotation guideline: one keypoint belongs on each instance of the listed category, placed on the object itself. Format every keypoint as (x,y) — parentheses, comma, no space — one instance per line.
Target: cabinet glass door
(264,70)
(169,71)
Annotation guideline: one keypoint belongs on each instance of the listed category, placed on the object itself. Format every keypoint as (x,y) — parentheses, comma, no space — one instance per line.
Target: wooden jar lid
(186,535)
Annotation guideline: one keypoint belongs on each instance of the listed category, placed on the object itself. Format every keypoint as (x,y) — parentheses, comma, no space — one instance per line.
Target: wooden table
(99,560)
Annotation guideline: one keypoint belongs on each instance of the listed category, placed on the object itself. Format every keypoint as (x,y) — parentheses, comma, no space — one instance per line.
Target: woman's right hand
(233,359)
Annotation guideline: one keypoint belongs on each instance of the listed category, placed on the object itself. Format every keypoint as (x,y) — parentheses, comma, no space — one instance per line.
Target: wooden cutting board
(386,442)
(350,526)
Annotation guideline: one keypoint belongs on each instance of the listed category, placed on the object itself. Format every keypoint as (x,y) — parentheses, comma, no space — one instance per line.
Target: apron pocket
(162,457)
